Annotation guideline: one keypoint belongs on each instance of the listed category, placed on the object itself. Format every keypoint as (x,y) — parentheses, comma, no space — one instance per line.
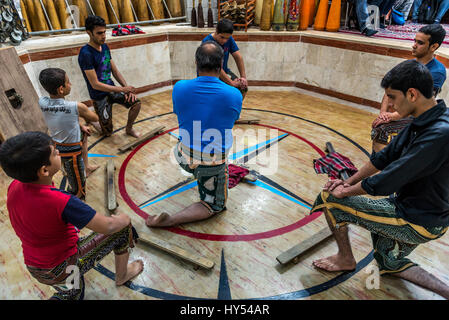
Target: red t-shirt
(46,221)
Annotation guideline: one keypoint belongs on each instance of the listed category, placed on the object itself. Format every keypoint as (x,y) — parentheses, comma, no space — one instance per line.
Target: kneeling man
(207,109)
(415,167)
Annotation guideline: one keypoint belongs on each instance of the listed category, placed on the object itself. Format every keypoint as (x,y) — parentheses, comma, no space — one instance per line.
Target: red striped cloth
(236,174)
(333,164)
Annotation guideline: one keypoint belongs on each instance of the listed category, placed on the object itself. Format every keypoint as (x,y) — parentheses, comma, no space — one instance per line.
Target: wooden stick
(176,251)
(294,252)
(247,121)
(110,183)
(143,138)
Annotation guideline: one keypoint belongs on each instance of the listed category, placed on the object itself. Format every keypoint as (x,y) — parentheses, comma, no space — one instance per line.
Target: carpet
(405,32)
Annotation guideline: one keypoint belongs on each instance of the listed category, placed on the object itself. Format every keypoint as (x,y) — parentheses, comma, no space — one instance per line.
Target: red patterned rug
(405,32)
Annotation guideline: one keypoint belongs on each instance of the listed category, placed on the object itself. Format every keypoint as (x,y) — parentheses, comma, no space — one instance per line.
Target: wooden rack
(250,11)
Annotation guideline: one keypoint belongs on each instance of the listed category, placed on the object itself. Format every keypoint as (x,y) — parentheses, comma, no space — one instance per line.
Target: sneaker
(369,32)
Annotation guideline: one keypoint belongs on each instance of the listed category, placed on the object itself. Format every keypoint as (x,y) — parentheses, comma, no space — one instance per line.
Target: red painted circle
(215,237)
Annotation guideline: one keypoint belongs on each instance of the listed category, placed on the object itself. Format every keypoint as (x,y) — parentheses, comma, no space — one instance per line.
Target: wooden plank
(14,82)
(143,138)
(110,174)
(294,252)
(305,245)
(176,251)
(247,121)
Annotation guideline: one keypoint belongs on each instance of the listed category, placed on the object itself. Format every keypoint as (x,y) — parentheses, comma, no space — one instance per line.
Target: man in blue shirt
(207,109)
(415,167)
(388,124)
(98,68)
(223,36)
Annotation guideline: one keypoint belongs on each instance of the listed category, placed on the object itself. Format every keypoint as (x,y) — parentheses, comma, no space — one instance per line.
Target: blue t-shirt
(229,48)
(207,109)
(438,72)
(76,211)
(89,58)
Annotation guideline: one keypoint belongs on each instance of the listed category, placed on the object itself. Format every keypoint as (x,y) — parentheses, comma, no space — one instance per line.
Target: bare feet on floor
(158,221)
(336,263)
(91,169)
(134,268)
(131,132)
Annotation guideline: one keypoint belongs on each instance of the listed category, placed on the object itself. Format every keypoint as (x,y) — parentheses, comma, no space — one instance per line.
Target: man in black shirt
(414,166)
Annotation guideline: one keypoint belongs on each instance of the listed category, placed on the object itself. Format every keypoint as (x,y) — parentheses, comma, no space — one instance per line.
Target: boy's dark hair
(209,56)
(436,33)
(23,155)
(409,74)
(94,21)
(51,79)
(225,26)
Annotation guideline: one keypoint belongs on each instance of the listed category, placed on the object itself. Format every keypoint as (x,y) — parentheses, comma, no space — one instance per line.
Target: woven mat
(405,32)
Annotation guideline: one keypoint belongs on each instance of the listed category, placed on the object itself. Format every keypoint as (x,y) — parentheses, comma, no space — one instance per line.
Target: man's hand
(332,184)
(244,83)
(384,117)
(128,89)
(337,192)
(130,97)
(85,129)
(236,83)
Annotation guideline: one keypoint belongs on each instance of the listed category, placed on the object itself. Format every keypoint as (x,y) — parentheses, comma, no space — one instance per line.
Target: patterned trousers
(393,237)
(91,249)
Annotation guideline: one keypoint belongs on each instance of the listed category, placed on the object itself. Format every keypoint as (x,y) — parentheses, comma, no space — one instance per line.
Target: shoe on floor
(369,32)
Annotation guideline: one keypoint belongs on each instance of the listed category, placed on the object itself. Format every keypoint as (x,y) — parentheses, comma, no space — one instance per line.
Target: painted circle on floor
(215,237)
(223,285)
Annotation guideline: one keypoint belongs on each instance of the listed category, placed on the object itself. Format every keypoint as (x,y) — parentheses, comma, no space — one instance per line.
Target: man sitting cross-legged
(207,109)
(414,166)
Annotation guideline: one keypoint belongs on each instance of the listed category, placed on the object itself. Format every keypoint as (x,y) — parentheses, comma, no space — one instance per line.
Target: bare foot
(134,268)
(158,221)
(336,263)
(91,169)
(132,133)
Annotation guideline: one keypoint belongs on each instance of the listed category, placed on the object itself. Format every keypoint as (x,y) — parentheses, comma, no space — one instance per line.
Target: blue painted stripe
(286,296)
(243,153)
(175,192)
(224,291)
(278,192)
(322,286)
(92,155)
(257,183)
(174,135)
(246,151)
(145,290)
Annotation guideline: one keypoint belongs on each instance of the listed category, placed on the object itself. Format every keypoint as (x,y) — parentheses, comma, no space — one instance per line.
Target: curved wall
(342,66)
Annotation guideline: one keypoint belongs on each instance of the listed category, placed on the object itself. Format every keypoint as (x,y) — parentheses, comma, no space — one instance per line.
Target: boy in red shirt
(47,220)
